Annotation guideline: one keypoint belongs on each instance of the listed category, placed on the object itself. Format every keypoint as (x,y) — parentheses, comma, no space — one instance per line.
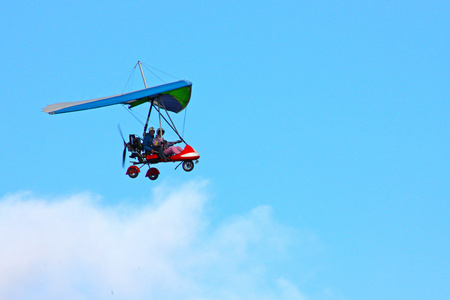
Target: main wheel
(152,173)
(188,165)
(153,176)
(133,173)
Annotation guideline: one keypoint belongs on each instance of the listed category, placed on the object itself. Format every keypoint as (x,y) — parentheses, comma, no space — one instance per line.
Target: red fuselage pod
(187,154)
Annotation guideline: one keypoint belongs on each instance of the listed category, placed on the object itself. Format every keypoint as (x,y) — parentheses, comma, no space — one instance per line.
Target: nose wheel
(188,165)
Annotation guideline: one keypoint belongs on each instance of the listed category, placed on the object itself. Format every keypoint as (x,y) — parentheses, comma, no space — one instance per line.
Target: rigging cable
(127,84)
(132,113)
(148,68)
(129,78)
(174,127)
(184,121)
(157,107)
(170,125)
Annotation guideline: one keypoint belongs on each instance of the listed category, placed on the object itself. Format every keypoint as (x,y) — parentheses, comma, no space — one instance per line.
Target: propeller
(124,146)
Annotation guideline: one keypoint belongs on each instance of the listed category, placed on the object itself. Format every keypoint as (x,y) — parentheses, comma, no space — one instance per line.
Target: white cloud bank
(75,248)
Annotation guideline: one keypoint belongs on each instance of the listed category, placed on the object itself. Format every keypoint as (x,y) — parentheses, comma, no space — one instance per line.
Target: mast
(151,101)
(142,73)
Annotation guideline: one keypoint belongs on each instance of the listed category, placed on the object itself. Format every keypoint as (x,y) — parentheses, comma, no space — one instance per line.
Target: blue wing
(172,96)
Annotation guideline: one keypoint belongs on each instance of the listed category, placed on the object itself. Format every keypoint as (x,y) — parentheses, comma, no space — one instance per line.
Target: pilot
(148,139)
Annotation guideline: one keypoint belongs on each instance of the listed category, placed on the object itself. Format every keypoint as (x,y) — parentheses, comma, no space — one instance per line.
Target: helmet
(160,129)
(151,128)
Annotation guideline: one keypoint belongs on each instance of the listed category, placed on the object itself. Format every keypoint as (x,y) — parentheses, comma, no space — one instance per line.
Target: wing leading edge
(172,96)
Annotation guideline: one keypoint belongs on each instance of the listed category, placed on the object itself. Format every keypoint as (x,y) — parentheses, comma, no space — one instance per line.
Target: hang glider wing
(172,96)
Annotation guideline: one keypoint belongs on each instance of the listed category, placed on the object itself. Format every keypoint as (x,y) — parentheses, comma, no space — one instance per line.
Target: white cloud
(76,248)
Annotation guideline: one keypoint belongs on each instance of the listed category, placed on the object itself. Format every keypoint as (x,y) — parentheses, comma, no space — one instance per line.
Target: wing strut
(168,123)
(173,125)
(148,117)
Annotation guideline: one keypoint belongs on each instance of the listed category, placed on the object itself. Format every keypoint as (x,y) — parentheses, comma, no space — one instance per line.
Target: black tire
(133,174)
(188,165)
(153,176)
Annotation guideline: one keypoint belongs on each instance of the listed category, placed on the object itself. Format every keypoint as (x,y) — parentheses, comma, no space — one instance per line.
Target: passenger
(165,147)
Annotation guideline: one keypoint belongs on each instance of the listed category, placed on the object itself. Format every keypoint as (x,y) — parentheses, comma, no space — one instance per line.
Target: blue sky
(323,131)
